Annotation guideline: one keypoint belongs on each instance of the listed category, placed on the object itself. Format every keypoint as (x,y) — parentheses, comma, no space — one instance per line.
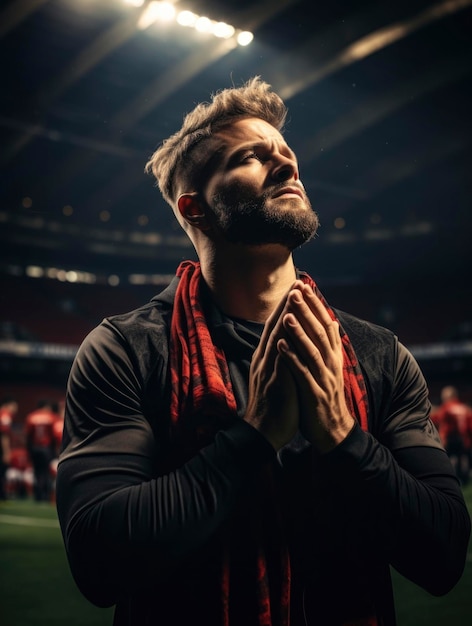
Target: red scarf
(201,385)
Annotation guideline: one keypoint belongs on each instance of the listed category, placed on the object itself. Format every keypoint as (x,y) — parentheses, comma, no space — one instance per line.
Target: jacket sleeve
(123,525)
(405,485)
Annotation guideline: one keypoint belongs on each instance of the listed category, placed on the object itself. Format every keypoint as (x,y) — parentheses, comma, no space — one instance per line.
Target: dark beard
(252,222)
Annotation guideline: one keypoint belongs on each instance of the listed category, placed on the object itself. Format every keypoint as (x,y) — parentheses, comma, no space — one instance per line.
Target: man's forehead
(246,130)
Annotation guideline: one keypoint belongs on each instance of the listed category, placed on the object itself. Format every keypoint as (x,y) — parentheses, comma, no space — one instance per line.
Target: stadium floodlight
(204,25)
(187,18)
(157,10)
(244,38)
(162,11)
(223,30)
(34,271)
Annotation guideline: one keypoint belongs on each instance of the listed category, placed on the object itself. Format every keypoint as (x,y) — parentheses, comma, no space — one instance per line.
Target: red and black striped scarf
(201,385)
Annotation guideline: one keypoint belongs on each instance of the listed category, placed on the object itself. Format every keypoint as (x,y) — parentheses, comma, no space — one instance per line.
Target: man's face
(254,191)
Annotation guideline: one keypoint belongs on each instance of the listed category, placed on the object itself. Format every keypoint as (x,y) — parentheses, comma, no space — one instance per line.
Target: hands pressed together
(296,377)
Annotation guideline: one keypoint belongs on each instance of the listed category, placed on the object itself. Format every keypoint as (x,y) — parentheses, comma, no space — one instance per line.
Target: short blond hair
(177,158)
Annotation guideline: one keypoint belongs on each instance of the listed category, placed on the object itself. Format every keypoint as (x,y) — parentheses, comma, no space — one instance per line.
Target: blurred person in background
(454,423)
(8,409)
(19,473)
(237,452)
(41,446)
(58,429)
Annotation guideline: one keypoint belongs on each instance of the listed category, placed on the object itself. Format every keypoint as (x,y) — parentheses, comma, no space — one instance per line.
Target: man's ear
(191,209)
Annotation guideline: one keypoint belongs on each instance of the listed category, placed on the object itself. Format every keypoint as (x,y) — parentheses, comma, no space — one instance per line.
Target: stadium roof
(379,114)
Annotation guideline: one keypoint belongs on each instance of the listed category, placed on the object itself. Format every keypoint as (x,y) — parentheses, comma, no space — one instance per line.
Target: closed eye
(251,155)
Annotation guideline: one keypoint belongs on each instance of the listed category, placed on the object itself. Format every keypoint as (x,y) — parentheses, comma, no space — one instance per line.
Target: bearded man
(237,452)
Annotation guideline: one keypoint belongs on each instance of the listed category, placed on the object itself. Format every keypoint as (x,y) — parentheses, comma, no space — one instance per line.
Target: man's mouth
(289,190)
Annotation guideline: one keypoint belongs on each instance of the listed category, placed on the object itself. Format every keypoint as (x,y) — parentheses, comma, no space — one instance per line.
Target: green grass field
(415,607)
(36,587)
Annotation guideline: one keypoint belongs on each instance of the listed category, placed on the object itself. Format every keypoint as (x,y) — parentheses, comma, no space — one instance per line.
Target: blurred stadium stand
(43,321)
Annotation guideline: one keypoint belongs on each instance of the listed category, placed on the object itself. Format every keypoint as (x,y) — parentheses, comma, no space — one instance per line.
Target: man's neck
(249,284)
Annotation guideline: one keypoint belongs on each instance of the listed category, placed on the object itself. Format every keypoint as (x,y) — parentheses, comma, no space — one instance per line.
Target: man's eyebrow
(263,143)
(250,145)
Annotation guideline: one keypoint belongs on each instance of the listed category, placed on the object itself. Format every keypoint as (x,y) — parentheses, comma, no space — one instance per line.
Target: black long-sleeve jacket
(142,530)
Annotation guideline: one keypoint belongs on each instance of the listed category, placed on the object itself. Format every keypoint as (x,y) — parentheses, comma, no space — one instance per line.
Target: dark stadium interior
(379,104)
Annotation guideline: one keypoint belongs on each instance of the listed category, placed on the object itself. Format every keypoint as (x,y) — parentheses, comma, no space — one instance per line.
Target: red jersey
(455,418)
(5,422)
(57,429)
(19,459)
(39,428)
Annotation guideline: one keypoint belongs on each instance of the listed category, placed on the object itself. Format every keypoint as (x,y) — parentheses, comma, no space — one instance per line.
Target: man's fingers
(311,313)
(273,327)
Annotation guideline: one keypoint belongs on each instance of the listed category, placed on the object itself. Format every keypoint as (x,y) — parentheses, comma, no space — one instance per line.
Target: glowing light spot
(244,38)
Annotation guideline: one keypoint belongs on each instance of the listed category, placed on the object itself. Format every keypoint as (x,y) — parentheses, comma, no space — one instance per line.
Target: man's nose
(285,169)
